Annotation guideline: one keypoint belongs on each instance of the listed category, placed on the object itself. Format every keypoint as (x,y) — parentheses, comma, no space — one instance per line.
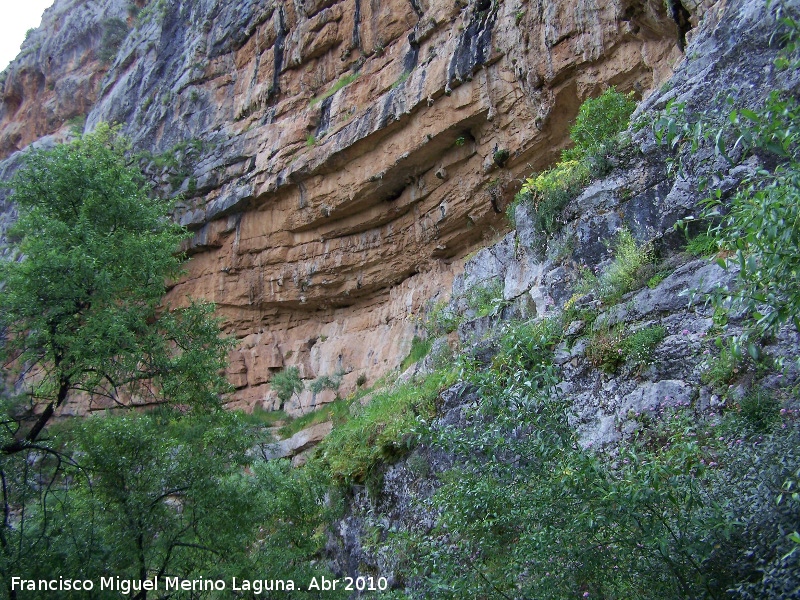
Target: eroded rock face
(336,159)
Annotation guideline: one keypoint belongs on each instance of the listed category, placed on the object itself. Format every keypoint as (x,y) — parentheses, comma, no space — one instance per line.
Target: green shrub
(383,430)
(608,348)
(287,383)
(640,345)
(702,244)
(419,350)
(759,409)
(604,350)
(623,274)
(486,299)
(723,368)
(115,31)
(630,268)
(598,122)
(524,360)
(679,512)
(594,134)
(336,411)
(549,192)
(326,382)
(758,228)
(442,319)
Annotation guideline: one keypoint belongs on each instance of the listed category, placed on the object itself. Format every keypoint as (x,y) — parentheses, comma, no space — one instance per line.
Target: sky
(18,17)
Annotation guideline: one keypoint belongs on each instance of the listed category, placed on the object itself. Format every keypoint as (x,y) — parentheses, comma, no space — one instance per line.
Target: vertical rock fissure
(356,24)
(280,42)
(681,17)
(324,117)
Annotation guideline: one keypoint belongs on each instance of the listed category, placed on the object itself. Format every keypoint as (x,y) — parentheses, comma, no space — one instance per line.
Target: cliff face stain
(412,56)
(356,24)
(474,45)
(280,42)
(324,117)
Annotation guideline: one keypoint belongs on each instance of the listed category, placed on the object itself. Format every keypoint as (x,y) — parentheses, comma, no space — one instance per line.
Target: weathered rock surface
(336,159)
(730,53)
(295,446)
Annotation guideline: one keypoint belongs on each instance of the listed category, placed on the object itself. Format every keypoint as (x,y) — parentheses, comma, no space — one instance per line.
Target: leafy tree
(81,311)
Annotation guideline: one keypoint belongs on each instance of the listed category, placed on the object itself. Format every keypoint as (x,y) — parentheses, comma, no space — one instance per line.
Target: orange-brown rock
(338,159)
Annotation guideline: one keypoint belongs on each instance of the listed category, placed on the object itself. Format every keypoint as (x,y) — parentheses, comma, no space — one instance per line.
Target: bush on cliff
(594,134)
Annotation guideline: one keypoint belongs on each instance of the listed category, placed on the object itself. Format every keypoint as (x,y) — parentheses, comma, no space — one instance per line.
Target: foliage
(703,244)
(336,411)
(419,350)
(604,349)
(500,157)
(382,430)
(549,192)
(442,319)
(657,521)
(160,494)
(523,364)
(115,31)
(627,271)
(287,383)
(639,347)
(597,125)
(343,81)
(608,348)
(401,80)
(326,382)
(762,229)
(759,410)
(758,228)
(598,122)
(294,513)
(82,310)
(485,299)
(724,367)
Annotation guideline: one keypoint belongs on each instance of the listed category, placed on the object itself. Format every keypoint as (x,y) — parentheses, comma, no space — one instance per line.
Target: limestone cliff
(336,160)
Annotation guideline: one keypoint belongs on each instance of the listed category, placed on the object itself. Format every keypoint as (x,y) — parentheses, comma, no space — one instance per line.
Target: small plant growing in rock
(441,319)
(609,348)
(500,157)
(639,347)
(723,368)
(114,32)
(604,350)
(287,383)
(419,350)
(594,134)
(628,270)
(759,409)
(326,382)
(486,299)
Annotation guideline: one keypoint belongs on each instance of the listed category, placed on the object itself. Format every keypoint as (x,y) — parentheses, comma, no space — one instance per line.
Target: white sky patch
(17,17)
